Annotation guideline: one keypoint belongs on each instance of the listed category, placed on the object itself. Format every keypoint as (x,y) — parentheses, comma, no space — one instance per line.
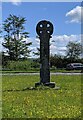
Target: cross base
(49,84)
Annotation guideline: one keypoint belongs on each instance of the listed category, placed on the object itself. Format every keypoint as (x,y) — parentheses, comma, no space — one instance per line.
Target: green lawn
(41,103)
(37,70)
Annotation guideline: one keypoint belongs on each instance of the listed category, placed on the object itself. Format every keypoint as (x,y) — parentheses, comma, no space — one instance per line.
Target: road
(58,73)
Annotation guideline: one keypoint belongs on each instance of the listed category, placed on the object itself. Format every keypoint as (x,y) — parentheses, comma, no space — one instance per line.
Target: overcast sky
(65,16)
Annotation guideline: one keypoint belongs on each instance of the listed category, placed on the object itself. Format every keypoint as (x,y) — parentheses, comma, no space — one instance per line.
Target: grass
(37,70)
(41,103)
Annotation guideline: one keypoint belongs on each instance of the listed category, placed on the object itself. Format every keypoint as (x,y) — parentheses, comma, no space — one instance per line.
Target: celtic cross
(44,30)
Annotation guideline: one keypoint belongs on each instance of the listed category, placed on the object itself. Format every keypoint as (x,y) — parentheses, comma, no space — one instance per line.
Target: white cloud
(75,15)
(1,40)
(16,2)
(58,46)
(61,40)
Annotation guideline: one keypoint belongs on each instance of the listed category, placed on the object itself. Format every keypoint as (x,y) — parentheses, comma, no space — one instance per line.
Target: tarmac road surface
(58,73)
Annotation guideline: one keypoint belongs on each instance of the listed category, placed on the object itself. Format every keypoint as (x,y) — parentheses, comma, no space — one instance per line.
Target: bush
(19,65)
(35,64)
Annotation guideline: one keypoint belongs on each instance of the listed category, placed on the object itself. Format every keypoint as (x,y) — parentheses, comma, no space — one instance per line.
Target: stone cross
(44,30)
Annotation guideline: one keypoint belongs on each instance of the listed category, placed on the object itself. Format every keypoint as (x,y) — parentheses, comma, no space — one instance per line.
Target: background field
(41,103)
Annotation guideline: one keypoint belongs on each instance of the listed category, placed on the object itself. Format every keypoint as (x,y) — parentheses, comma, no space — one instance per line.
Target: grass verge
(41,103)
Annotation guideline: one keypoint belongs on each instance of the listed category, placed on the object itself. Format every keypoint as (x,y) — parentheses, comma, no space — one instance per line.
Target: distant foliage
(74,50)
(15,37)
(61,61)
(19,65)
(37,53)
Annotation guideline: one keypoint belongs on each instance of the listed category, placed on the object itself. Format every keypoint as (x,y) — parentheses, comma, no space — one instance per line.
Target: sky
(15,1)
(65,17)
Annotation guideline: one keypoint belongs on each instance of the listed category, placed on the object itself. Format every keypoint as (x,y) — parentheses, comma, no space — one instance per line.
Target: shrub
(19,65)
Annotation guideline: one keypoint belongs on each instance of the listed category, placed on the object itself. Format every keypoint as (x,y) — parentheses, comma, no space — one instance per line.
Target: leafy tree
(0,59)
(16,46)
(56,60)
(0,33)
(5,59)
(74,50)
(37,53)
(0,45)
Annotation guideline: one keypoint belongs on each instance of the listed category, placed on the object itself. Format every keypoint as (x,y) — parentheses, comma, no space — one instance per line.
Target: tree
(37,53)
(73,50)
(0,46)
(56,60)
(16,46)
(0,33)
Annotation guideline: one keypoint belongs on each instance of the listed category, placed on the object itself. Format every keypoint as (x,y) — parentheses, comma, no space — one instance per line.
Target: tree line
(16,47)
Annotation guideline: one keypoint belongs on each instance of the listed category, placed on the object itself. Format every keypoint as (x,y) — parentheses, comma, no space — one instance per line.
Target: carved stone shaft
(44,29)
(44,59)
